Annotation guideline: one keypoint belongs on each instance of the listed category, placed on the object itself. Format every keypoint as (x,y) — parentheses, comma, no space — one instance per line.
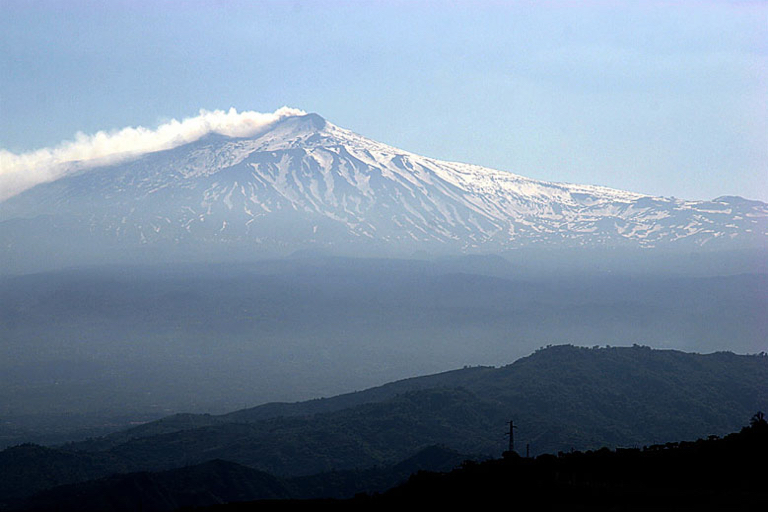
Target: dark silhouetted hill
(561,398)
(709,474)
(209,483)
(724,474)
(219,481)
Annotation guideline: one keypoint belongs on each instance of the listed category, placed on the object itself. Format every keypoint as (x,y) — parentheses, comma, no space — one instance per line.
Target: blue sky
(665,98)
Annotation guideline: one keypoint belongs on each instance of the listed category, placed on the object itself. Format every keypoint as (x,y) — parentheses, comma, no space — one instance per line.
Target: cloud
(19,172)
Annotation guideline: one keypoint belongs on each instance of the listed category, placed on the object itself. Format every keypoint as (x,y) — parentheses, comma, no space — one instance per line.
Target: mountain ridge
(669,377)
(561,397)
(306,183)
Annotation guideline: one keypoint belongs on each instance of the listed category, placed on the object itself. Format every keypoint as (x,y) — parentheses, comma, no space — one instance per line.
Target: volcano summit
(304,183)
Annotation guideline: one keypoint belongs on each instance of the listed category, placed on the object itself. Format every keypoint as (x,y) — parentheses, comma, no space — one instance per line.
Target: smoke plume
(19,172)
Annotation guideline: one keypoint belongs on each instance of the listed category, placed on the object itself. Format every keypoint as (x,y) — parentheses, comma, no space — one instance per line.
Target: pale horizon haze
(660,98)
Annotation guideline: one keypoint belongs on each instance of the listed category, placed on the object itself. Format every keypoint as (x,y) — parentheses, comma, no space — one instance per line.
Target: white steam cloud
(23,171)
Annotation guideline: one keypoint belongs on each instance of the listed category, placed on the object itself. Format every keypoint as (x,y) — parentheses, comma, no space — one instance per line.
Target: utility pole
(511,435)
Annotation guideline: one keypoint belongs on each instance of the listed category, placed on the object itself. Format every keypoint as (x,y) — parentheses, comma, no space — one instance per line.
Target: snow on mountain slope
(307,183)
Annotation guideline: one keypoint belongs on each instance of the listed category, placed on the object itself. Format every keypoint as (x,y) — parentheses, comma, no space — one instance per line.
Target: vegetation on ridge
(561,397)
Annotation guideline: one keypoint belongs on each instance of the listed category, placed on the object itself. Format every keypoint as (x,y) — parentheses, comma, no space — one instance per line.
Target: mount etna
(303,183)
(300,260)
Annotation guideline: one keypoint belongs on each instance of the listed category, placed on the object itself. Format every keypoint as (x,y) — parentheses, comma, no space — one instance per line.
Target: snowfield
(306,182)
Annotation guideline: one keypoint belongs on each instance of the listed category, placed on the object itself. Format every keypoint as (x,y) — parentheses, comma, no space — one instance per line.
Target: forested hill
(710,474)
(560,397)
(564,396)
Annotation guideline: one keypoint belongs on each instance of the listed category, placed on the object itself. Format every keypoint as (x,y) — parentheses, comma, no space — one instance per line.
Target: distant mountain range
(305,183)
(93,349)
(561,398)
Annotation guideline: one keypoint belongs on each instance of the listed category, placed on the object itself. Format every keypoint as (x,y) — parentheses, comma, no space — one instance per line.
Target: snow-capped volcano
(307,183)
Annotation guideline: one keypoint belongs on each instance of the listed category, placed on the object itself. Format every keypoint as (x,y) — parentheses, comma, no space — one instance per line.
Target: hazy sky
(665,98)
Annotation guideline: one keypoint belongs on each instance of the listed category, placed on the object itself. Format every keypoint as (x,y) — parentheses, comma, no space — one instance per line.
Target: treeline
(726,473)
